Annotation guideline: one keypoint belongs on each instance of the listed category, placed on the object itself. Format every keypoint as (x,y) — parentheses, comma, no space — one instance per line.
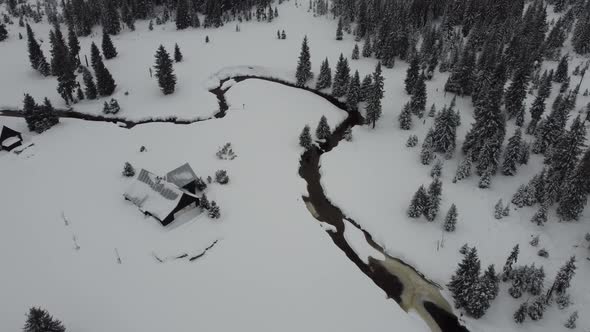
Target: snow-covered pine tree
(412,74)
(214,212)
(491,281)
(418,203)
(303,73)
(537,308)
(562,72)
(498,208)
(520,314)
(323,130)
(325,78)
(512,153)
(80,93)
(36,57)
(355,52)
(104,81)
(513,258)
(516,93)
(450,223)
(353,95)
(445,132)
(506,211)
(485,180)
(405,118)
(427,152)
(434,198)
(564,277)
(108,49)
(183,18)
(367,47)
(110,17)
(339,33)
(540,217)
(165,71)
(204,202)
(465,277)
(74,47)
(3,32)
(571,321)
(366,87)
(90,87)
(418,100)
(436,169)
(463,169)
(177,53)
(373,110)
(574,193)
(305,137)
(412,141)
(524,152)
(39,320)
(341,77)
(432,112)
(59,51)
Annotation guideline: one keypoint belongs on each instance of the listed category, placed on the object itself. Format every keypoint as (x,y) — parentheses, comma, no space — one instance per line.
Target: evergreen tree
(3,32)
(355,52)
(405,118)
(80,93)
(204,202)
(581,38)
(418,100)
(59,52)
(325,78)
(91,92)
(412,74)
(520,314)
(571,321)
(108,49)
(373,110)
(516,93)
(323,130)
(498,208)
(165,71)
(353,95)
(339,30)
(183,17)
(128,170)
(462,284)
(341,77)
(445,131)
(305,138)
(418,203)
(537,308)
(214,212)
(513,258)
(451,219)
(463,170)
(366,87)
(412,141)
(31,116)
(110,17)
(562,72)
(304,73)
(74,47)
(39,320)
(540,218)
(367,48)
(486,180)
(105,84)
(492,282)
(574,195)
(36,57)
(434,198)
(512,153)
(427,152)
(177,53)
(537,109)
(564,277)
(436,169)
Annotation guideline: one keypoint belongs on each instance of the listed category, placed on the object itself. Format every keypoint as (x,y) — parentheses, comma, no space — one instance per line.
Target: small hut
(10,139)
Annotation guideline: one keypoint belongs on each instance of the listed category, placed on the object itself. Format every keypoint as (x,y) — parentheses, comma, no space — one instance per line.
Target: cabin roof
(182,175)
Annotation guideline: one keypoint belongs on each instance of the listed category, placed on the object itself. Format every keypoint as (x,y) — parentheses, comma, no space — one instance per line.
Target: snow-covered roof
(10,141)
(153,194)
(181,176)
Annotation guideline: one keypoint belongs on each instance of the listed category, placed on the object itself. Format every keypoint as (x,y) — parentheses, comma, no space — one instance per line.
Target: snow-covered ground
(273,268)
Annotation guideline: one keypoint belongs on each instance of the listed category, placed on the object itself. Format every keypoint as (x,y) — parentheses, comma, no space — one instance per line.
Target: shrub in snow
(112,107)
(506,211)
(485,180)
(563,301)
(543,253)
(214,211)
(571,321)
(221,177)
(540,218)
(128,170)
(535,241)
(412,141)
(39,320)
(587,237)
(209,179)
(436,169)
(305,137)
(498,210)
(142,149)
(226,152)
(348,135)
(520,314)
(200,185)
(451,219)
(204,202)
(323,129)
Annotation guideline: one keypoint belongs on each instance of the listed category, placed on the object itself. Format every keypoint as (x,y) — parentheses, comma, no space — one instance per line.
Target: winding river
(400,281)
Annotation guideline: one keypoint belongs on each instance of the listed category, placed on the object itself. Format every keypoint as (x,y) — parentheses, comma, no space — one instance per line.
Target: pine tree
(165,71)
(183,18)
(581,38)
(29,110)
(451,219)
(418,100)
(36,57)
(91,92)
(405,118)
(325,78)
(427,152)
(80,93)
(305,138)
(521,312)
(571,321)
(562,72)
(373,110)
(353,95)
(412,141)
(39,320)
(463,170)
(445,131)
(304,73)
(323,130)
(341,77)
(74,47)
(110,17)
(177,53)
(564,277)
(465,278)
(418,203)
(485,180)
(574,195)
(355,52)
(512,153)
(105,84)
(366,87)
(108,49)
(498,208)
(59,51)
(491,281)
(204,202)
(3,32)
(339,30)
(537,309)
(513,258)
(214,212)
(367,48)
(516,94)
(434,198)
(436,169)
(506,211)
(412,74)
(540,218)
